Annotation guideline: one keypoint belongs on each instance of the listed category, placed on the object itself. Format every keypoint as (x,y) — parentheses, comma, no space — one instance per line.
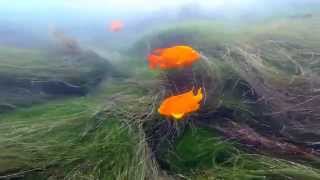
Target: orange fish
(173,57)
(178,106)
(116,26)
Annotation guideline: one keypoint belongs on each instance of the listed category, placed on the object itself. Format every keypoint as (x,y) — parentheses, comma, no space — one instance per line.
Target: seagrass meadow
(74,111)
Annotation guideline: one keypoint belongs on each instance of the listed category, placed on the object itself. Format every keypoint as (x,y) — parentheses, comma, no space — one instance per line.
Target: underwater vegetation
(245,91)
(41,75)
(245,105)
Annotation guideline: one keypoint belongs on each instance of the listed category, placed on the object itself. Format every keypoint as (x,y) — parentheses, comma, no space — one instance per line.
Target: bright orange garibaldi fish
(173,57)
(179,105)
(116,26)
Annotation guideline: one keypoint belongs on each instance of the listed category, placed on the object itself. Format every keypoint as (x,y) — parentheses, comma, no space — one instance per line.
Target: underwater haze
(160,90)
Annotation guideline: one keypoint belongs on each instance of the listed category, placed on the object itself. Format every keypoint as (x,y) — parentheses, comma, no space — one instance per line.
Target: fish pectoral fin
(178,116)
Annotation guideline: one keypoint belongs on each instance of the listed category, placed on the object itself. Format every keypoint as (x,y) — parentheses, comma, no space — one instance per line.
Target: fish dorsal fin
(177,115)
(158,51)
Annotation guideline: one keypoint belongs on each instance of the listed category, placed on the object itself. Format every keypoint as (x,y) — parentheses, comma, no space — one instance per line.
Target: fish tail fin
(153,61)
(203,56)
(206,59)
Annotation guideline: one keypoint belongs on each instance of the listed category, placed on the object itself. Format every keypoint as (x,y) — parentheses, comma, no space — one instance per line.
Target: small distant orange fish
(173,57)
(116,26)
(178,106)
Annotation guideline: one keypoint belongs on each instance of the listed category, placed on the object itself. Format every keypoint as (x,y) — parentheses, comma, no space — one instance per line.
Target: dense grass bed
(248,71)
(76,138)
(29,76)
(94,138)
(110,132)
(201,154)
(41,65)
